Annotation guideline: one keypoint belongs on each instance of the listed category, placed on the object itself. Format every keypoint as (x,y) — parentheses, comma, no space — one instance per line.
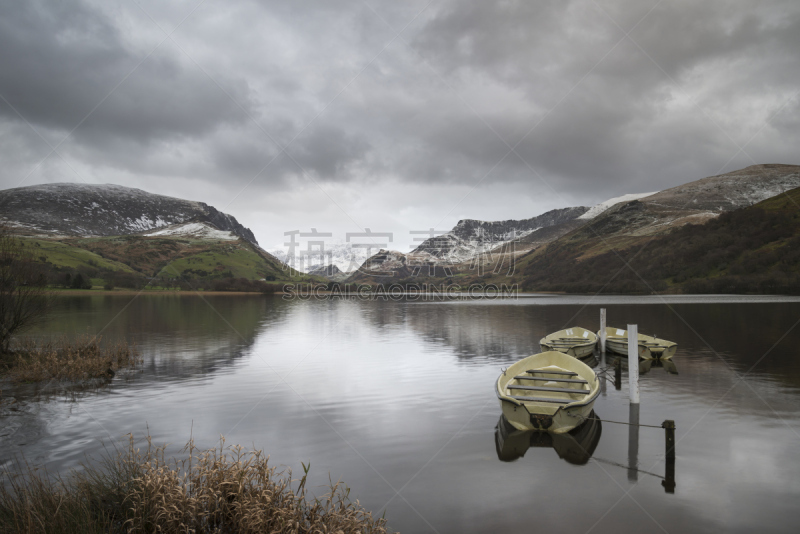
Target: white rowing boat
(649,346)
(547,391)
(575,341)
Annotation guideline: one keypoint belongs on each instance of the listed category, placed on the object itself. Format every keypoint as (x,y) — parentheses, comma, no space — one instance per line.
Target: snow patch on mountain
(596,210)
(195,230)
(347,257)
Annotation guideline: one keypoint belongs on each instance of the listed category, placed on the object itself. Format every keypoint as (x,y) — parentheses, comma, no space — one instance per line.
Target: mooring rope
(617,464)
(620,422)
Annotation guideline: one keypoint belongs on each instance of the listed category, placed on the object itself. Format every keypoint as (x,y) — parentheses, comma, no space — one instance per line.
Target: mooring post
(669,437)
(669,468)
(617,373)
(633,362)
(603,330)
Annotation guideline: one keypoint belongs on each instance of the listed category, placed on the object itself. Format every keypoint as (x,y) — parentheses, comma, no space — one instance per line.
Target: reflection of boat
(576,447)
(668,365)
(575,341)
(649,346)
(547,391)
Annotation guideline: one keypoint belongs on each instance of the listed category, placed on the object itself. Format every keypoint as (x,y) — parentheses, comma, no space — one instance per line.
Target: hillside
(121,237)
(175,260)
(556,257)
(754,249)
(65,209)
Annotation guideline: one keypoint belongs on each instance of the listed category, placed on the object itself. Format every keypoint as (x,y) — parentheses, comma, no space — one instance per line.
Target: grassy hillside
(134,261)
(755,249)
(66,255)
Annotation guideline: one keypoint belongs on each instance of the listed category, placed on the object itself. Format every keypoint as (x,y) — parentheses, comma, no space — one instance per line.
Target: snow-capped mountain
(105,210)
(471,237)
(732,190)
(695,202)
(347,257)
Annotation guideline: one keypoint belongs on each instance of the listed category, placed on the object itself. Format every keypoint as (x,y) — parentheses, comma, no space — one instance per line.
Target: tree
(24,296)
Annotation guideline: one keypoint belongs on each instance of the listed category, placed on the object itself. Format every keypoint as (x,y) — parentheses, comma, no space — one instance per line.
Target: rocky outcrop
(472,237)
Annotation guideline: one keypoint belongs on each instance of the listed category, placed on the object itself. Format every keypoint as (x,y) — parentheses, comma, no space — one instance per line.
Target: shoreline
(128,292)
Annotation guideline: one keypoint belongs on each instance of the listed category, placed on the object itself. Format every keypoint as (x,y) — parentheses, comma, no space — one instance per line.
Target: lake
(396,399)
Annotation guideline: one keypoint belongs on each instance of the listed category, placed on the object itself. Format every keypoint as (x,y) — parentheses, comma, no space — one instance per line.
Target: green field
(66,255)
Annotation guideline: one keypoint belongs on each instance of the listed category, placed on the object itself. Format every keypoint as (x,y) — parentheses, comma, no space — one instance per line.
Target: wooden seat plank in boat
(540,399)
(549,388)
(573,380)
(544,371)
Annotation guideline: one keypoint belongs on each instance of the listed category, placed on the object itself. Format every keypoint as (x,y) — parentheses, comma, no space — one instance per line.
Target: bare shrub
(78,359)
(221,490)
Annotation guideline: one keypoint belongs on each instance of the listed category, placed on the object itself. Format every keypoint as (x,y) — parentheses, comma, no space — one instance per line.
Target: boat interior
(550,384)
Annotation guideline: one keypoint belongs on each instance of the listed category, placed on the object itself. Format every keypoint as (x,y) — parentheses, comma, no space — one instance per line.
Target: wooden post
(617,373)
(669,437)
(633,362)
(669,468)
(603,330)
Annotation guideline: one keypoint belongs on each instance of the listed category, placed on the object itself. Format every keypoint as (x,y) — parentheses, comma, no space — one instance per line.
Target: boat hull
(576,342)
(649,347)
(564,420)
(563,395)
(576,352)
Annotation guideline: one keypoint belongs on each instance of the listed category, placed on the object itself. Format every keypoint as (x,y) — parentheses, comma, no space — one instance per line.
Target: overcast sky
(394,115)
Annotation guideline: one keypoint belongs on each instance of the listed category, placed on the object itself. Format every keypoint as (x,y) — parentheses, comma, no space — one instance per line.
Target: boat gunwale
(565,343)
(577,404)
(623,340)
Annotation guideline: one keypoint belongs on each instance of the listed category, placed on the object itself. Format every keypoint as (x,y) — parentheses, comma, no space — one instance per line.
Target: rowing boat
(576,447)
(575,341)
(547,391)
(649,346)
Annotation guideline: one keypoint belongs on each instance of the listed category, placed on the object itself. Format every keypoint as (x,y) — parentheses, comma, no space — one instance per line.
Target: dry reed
(77,359)
(221,490)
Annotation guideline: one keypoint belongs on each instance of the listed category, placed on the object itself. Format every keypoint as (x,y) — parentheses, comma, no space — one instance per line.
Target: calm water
(396,399)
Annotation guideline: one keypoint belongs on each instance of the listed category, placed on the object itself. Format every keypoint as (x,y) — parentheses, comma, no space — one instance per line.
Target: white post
(603,330)
(633,362)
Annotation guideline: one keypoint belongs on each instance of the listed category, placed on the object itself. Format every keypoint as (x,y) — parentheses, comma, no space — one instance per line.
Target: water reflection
(575,447)
(406,387)
(179,336)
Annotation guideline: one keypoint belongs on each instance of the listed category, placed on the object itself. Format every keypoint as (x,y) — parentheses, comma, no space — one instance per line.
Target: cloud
(64,63)
(360,110)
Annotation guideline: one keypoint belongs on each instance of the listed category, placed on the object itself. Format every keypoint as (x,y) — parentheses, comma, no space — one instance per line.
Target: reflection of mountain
(575,447)
(177,335)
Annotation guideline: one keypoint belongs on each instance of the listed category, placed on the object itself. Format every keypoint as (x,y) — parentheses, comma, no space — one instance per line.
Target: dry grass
(79,359)
(221,490)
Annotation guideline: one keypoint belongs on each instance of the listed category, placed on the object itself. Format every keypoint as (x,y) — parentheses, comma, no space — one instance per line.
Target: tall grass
(220,490)
(66,359)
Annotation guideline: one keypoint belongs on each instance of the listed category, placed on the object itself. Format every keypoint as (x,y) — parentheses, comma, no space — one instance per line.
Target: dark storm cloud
(612,126)
(61,59)
(594,113)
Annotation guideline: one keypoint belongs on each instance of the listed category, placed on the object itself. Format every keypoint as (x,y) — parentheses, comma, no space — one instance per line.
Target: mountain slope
(753,249)
(104,210)
(470,237)
(133,238)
